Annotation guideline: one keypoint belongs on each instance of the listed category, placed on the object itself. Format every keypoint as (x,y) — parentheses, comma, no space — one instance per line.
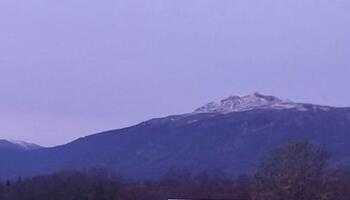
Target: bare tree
(294,172)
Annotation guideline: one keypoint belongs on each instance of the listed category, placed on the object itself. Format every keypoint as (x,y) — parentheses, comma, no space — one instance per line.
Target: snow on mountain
(253,102)
(24,145)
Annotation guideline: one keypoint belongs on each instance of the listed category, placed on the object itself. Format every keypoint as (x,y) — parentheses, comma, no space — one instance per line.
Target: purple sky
(70,68)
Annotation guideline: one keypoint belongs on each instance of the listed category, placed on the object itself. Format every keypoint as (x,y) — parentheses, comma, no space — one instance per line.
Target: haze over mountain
(231,136)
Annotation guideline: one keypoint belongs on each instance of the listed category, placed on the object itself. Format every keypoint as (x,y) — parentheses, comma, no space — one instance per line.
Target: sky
(70,68)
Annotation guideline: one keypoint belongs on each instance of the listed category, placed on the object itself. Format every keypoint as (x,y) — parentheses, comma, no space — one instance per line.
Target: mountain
(15,145)
(254,102)
(230,136)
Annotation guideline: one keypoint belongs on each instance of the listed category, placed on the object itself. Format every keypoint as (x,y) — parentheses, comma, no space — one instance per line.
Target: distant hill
(12,145)
(230,136)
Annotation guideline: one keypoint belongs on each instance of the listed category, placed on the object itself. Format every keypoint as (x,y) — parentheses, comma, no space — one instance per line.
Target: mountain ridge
(231,142)
(18,145)
(252,102)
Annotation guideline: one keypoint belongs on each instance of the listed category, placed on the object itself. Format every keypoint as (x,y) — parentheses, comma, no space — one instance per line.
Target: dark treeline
(298,171)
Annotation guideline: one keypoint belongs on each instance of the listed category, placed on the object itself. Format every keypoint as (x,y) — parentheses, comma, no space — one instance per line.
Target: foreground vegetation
(298,171)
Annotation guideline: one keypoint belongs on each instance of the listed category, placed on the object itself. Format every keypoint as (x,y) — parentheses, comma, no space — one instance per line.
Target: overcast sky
(70,68)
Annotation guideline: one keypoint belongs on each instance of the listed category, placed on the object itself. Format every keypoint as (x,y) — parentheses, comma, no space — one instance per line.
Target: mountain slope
(233,142)
(13,145)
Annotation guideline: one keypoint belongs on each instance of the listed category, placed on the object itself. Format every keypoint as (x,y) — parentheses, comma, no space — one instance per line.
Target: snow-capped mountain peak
(251,102)
(24,145)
